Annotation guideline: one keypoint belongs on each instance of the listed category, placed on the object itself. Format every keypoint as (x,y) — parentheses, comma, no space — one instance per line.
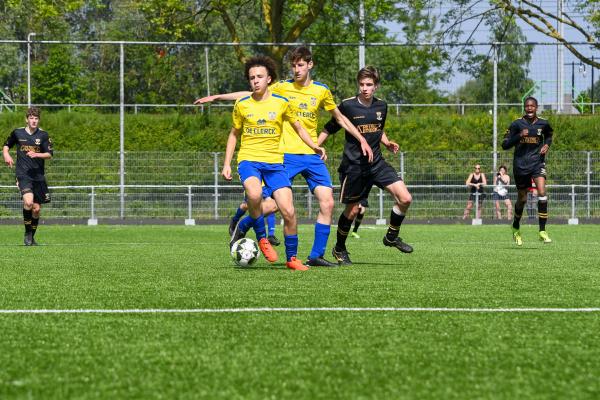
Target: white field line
(304,310)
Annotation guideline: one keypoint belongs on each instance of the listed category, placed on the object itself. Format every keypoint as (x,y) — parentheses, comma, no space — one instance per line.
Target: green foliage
(413,130)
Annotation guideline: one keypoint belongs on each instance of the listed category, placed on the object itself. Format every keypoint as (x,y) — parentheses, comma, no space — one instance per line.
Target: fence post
(589,183)
(380,220)
(93,220)
(216,194)
(122,128)
(477,220)
(495,109)
(573,220)
(190,220)
(402,165)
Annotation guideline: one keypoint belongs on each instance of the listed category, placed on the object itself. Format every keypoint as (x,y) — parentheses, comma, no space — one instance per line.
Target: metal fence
(187,186)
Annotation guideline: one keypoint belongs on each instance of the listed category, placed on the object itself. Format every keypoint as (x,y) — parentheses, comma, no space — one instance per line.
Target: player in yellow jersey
(308,97)
(258,118)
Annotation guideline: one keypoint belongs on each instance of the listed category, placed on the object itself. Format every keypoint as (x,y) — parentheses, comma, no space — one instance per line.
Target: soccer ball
(245,252)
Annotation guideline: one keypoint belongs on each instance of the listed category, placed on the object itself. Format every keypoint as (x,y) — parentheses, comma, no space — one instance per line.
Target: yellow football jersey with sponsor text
(261,125)
(307,100)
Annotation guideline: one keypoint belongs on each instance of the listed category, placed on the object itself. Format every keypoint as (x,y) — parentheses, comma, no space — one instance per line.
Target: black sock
(394,227)
(518,214)
(27,220)
(542,214)
(358,221)
(34,225)
(344,225)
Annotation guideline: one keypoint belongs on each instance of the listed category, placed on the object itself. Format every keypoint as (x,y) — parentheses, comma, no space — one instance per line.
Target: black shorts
(41,193)
(497,197)
(482,197)
(524,181)
(357,180)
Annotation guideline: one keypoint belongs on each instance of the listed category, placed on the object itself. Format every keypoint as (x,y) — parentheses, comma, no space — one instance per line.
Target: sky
(543,67)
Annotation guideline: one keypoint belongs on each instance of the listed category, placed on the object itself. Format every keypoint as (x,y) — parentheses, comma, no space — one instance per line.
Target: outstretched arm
(345,123)
(223,96)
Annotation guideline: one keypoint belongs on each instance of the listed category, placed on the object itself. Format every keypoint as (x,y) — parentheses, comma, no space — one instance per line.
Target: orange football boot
(296,264)
(267,250)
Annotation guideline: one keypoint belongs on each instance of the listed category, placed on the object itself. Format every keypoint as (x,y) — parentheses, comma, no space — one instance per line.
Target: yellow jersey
(306,101)
(261,125)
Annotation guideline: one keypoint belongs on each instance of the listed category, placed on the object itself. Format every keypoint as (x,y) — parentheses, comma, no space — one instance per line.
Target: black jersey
(38,142)
(369,120)
(527,158)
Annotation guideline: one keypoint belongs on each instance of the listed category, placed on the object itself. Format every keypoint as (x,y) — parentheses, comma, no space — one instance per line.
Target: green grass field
(299,354)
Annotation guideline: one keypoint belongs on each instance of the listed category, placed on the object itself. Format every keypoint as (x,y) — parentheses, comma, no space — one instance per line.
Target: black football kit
(30,171)
(357,175)
(528,162)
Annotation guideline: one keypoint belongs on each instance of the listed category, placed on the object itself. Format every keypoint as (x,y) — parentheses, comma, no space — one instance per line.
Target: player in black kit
(531,136)
(357,175)
(33,147)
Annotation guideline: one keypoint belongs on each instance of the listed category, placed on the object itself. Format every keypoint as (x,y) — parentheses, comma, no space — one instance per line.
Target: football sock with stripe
(34,225)
(344,225)
(542,212)
(27,216)
(396,218)
(358,221)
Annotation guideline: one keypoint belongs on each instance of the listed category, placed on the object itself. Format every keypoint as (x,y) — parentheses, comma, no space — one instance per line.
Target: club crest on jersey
(261,121)
(313,101)
(272,115)
(539,132)
(38,141)
(379,117)
(303,106)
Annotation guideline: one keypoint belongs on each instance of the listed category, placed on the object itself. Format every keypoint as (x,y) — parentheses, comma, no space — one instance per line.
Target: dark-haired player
(33,147)
(357,174)
(308,97)
(531,137)
(258,118)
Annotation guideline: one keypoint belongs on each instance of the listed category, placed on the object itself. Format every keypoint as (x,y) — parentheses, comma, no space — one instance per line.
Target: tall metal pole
(495,110)
(122,128)
(29,36)
(592,88)
(572,82)
(560,61)
(207,71)
(361,24)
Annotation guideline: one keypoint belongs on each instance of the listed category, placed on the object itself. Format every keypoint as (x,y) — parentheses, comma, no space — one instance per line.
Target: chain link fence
(188,185)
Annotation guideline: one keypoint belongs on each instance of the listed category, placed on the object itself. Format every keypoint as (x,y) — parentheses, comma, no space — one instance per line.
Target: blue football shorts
(310,166)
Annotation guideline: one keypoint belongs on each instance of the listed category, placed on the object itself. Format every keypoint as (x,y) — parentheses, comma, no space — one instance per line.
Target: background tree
(513,62)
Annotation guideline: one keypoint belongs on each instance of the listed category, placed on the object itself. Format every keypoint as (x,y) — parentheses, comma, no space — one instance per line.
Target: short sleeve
(289,113)
(47,145)
(11,140)
(327,101)
(238,118)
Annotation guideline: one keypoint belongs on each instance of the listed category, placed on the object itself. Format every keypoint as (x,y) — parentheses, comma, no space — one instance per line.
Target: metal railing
(216,202)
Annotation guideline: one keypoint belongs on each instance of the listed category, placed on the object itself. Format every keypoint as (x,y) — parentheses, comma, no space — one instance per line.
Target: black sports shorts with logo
(356,180)
(523,181)
(41,193)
